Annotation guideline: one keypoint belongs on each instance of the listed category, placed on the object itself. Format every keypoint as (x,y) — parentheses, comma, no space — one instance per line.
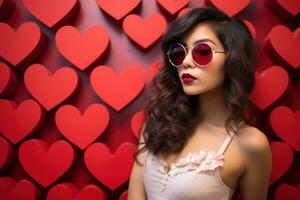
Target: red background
(118,114)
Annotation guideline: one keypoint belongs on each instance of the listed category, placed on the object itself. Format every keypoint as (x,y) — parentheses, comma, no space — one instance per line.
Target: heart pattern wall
(72,83)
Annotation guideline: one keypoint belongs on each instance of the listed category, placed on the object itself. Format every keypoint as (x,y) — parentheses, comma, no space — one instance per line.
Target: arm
(136,190)
(254,182)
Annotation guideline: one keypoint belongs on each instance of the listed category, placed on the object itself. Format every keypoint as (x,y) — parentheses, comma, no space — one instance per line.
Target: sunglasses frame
(185,51)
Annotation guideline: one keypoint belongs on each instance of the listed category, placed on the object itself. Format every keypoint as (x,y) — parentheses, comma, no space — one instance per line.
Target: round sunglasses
(202,54)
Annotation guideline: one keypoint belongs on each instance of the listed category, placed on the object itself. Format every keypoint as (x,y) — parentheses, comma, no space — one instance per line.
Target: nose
(188,60)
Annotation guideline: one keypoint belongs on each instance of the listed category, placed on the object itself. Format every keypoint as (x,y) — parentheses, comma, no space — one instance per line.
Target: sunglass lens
(202,53)
(176,54)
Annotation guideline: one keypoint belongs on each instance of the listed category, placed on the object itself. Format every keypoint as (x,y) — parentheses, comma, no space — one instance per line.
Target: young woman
(198,140)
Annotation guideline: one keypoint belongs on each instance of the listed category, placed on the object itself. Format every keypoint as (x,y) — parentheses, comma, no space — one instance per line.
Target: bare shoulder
(253,140)
(258,159)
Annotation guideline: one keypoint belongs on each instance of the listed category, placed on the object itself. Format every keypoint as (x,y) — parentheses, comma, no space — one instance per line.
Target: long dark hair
(170,114)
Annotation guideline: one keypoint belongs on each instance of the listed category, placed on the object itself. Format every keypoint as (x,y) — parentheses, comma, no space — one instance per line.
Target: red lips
(187,75)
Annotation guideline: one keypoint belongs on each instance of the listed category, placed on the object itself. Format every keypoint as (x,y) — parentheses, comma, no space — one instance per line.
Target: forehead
(201,31)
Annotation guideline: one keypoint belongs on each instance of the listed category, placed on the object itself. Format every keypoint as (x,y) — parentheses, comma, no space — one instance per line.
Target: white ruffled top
(199,161)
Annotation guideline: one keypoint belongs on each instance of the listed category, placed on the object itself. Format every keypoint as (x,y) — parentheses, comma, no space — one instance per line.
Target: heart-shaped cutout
(118,12)
(117,91)
(270,84)
(51,12)
(82,51)
(14,190)
(18,121)
(21,46)
(80,129)
(46,163)
(153,28)
(104,165)
(68,191)
(286,126)
(50,90)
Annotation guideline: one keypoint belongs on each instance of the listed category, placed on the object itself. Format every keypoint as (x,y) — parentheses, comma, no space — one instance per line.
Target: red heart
(6,152)
(8,80)
(183,12)
(82,51)
(269,86)
(285,191)
(153,28)
(111,170)
(154,70)
(45,163)
(80,129)
(124,195)
(251,28)
(51,12)
(286,44)
(292,6)
(231,7)
(282,157)
(118,8)
(137,122)
(12,190)
(18,45)
(117,91)
(50,90)
(173,6)
(18,121)
(68,191)
(286,126)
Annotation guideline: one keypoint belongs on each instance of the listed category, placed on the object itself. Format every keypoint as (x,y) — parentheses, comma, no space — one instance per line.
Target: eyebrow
(202,40)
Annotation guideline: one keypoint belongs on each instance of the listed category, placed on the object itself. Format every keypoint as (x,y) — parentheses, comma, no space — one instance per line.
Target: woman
(198,140)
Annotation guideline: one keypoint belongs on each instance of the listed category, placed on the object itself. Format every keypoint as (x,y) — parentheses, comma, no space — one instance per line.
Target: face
(207,77)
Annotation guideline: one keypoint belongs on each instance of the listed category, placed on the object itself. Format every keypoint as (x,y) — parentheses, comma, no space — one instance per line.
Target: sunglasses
(202,54)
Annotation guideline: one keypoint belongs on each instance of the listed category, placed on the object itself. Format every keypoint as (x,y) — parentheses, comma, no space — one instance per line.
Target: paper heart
(270,84)
(118,8)
(173,6)
(183,12)
(153,28)
(117,91)
(68,191)
(286,44)
(111,169)
(6,153)
(282,157)
(51,12)
(82,51)
(292,6)
(80,129)
(8,80)
(136,123)
(124,195)
(46,163)
(154,70)
(18,121)
(231,7)
(286,126)
(50,90)
(22,189)
(21,46)
(251,28)
(285,191)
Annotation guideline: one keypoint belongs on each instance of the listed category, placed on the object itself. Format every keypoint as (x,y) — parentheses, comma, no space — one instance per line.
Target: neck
(212,107)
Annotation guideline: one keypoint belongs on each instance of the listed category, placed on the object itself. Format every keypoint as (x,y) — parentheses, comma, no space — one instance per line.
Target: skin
(247,159)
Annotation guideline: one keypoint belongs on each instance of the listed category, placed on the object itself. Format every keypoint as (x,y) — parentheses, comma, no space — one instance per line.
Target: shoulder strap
(225,143)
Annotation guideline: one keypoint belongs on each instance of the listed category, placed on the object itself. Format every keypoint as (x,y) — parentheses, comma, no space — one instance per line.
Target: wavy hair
(170,114)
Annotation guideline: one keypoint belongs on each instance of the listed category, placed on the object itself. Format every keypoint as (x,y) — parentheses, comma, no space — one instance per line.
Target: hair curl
(170,114)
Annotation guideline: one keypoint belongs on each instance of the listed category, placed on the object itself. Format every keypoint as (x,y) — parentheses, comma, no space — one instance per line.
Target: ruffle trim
(201,161)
